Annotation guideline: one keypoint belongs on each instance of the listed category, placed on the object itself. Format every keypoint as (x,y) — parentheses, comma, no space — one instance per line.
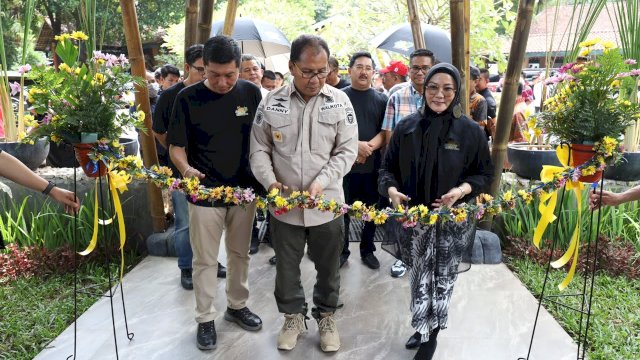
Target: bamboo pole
(190,23)
(510,88)
(457,48)
(416,27)
(150,157)
(205,17)
(467,54)
(230,17)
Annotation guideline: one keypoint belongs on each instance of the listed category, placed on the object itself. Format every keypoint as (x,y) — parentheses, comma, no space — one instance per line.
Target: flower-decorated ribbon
(547,208)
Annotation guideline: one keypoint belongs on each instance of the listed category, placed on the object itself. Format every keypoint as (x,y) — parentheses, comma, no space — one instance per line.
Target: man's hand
(191,172)
(279,186)
(315,189)
(397,197)
(364,150)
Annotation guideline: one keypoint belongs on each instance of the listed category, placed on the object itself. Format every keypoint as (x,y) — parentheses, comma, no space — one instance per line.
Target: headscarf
(437,126)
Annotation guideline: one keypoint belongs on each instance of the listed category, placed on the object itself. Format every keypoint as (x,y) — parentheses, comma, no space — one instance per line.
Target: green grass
(615,323)
(36,310)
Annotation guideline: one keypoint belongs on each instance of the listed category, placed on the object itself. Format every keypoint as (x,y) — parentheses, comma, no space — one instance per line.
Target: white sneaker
(398,269)
(293,326)
(329,337)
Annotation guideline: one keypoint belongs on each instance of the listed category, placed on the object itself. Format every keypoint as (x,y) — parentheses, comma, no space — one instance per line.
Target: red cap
(396,67)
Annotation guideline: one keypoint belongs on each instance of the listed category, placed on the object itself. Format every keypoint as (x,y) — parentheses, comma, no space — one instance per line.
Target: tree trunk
(191,23)
(416,27)
(457,48)
(467,56)
(230,17)
(150,157)
(205,17)
(509,90)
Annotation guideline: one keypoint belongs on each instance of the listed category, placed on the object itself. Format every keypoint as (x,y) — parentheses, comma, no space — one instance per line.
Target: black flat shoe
(413,342)
(186,279)
(244,318)
(426,350)
(206,336)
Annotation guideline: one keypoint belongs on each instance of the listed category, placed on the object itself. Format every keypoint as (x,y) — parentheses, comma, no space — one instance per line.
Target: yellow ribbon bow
(547,207)
(118,181)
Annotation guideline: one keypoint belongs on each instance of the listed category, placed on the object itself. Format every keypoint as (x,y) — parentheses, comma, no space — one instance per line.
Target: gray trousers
(325,246)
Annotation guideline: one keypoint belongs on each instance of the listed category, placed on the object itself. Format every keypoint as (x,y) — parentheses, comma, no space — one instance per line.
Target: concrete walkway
(490,318)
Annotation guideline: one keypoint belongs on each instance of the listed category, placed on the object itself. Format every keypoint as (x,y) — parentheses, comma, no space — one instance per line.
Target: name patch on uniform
(452,146)
(277,108)
(331,106)
(277,136)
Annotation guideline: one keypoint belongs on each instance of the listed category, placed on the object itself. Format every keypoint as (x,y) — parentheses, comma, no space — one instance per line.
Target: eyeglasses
(199,69)
(433,89)
(417,69)
(309,74)
(363,68)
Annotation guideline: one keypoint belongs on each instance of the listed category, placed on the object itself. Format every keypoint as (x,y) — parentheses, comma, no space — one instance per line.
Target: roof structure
(542,29)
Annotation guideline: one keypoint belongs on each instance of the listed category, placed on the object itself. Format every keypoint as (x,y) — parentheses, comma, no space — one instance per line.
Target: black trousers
(361,187)
(324,243)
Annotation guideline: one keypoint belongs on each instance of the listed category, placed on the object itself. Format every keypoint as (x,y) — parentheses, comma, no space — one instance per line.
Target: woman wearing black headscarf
(436,157)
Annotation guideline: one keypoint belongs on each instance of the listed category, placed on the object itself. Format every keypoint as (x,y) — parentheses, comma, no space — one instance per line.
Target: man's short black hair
(303,41)
(168,69)
(269,75)
(485,73)
(360,54)
(474,73)
(221,49)
(193,53)
(423,52)
(279,75)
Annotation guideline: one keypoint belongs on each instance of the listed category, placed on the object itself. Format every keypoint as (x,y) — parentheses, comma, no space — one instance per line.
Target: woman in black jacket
(437,157)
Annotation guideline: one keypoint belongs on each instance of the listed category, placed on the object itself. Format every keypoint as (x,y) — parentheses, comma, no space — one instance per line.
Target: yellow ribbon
(117,183)
(547,207)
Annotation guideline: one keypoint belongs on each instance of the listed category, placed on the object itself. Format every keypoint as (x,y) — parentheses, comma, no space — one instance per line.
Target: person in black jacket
(437,157)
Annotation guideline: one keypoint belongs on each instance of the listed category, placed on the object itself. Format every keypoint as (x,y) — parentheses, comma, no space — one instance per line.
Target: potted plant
(14,115)
(81,101)
(587,105)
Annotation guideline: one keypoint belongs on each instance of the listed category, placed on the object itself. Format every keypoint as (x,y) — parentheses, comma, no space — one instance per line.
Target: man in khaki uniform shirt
(305,137)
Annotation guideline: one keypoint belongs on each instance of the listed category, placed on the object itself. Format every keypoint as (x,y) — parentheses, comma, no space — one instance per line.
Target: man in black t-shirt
(194,69)
(361,182)
(333,78)
(209,139)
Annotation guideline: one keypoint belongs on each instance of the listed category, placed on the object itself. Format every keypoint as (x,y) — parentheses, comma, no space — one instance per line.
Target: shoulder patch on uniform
(351,118)
(259,118)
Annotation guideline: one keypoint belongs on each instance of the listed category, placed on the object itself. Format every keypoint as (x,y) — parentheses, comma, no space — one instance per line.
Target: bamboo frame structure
(148,143)
(509,92)
(416,27)
(205,17)
(458,48)
(190,23)
(230,17)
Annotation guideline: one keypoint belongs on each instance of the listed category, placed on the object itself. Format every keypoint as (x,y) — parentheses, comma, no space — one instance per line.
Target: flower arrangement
(129,167)
(589,102)
(81,101)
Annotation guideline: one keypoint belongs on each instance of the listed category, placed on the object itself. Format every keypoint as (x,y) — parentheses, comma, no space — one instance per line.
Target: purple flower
(15,88)
(630,62)
(623,75)
(576,174)
(480,213)
(344,209)
(47,119)
(565,67)
(561,182)
(366,217)
(24,69)
(175,184)
(123,59)
(194,197)
(635,72)
(409,224)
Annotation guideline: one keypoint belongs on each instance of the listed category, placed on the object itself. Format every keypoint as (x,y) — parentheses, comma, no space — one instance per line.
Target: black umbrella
(256,37)
(400,39)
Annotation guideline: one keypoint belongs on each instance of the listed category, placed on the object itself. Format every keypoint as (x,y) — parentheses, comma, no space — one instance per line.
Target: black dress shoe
(413,342)
(186,279)
(426,350)
(273,260)
(222,271)
(244,317)
(343,259)
(255,243)
(371,261)
(206,336)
